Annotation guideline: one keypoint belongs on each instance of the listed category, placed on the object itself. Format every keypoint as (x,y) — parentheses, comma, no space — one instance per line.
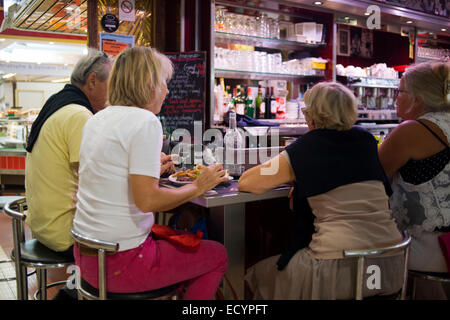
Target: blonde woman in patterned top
(417,156)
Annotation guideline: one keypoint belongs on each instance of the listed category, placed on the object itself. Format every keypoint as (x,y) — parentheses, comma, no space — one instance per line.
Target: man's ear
(418,99)
(91,80)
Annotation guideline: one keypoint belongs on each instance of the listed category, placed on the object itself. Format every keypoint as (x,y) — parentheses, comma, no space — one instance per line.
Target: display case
(13,139)
(375,97)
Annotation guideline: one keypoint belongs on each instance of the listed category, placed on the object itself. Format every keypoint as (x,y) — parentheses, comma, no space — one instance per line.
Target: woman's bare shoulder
(407,130)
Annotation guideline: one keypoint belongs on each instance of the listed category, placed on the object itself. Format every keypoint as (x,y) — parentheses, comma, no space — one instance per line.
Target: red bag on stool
(185,239)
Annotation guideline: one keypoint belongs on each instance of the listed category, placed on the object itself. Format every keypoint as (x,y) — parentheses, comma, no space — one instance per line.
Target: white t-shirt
(117,141)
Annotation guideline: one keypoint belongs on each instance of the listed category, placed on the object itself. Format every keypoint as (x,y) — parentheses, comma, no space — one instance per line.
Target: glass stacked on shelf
(433,53)
(259,26)
(260,61)
(251,44)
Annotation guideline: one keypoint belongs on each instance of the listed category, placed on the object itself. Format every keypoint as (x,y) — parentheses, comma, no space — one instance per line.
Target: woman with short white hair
(417,156)
(340,202)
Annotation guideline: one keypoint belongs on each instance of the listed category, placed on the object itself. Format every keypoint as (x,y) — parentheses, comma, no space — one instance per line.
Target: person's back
(340,202)
(416,154)
(52,178)
(53,146)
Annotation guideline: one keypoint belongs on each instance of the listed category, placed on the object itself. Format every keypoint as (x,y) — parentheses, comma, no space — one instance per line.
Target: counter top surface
(229,194)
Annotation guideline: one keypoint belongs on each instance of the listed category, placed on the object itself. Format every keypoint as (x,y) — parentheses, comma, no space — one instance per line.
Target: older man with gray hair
(51,176)
(51,171)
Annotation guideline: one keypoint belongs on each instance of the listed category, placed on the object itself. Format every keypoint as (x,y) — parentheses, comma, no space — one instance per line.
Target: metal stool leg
(413,291)
(42,283)
(21,283)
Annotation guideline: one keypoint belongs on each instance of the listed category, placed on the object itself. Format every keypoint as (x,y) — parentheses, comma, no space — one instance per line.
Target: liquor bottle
(249,106)
(233,141)
(259,105)
(271,105)
(239,102)
(267,103)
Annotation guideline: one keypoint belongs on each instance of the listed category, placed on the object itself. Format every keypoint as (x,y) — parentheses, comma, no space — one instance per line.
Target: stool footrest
(53,284)
(433,276)
(147,295)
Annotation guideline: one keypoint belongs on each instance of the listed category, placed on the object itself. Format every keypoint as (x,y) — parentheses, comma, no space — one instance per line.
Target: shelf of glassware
(420,59)
(370,82)
(273,43)
(250,75)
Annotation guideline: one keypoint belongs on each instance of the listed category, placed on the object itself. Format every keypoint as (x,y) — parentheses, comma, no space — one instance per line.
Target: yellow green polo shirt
(51,182)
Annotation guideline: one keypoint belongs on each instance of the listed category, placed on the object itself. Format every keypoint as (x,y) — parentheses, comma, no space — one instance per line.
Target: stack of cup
(292,109)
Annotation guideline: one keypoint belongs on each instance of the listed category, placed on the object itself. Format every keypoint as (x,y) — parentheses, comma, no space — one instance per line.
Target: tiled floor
(7,288)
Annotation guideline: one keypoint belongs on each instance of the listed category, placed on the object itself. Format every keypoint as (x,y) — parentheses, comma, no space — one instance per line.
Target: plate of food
(188,176)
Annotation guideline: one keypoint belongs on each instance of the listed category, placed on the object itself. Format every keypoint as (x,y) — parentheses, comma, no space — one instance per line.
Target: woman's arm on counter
(150,197)
(267,176)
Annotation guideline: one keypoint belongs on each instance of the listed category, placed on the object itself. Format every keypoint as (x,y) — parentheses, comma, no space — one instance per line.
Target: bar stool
(441,277)
(380,252)
(31,254)
(86,291)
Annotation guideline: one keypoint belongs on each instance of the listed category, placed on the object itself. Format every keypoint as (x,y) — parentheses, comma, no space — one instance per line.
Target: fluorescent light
(51,42)
(61,80)
(2,39)
(367,13)
(35,52)
(409,22)
(318,3)
(9,75)
(443,29)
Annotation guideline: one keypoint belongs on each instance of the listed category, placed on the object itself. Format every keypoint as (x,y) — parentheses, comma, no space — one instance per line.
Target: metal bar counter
(227,217)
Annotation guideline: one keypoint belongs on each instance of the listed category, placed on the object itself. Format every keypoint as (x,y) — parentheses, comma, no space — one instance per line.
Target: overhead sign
(110,23)
(126,10)
(113,44)
(35,69)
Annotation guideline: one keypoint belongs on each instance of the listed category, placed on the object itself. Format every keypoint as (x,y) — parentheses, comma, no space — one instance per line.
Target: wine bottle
(239,101)
(273,105)
(259,105)
(249,106)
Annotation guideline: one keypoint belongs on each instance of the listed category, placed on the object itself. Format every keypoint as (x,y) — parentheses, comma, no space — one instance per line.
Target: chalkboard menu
(185,102)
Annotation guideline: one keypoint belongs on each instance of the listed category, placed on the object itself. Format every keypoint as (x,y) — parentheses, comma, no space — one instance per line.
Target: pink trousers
(159,263)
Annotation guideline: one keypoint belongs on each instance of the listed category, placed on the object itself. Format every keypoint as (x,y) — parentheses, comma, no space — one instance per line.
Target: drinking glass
(276,29)
(269,31)
(264,61)
(219,23)
(240,24)
(262,25)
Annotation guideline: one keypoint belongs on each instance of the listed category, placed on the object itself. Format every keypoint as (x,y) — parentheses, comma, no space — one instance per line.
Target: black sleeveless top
(420,171)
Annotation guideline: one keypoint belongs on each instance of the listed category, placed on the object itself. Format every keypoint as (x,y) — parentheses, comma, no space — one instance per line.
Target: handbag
(184,239)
